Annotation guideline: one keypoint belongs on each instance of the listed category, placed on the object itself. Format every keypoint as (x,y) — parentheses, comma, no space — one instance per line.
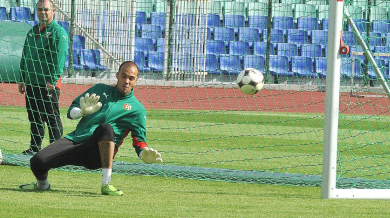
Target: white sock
(43,184)
(106,175)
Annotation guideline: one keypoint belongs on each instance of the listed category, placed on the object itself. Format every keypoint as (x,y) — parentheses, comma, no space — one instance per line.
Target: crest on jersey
(127,107)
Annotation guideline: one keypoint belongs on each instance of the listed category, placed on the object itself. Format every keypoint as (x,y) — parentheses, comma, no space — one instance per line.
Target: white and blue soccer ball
(250,81)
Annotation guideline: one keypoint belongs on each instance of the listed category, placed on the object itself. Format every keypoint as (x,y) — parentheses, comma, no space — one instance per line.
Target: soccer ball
(1,157)
(250,81)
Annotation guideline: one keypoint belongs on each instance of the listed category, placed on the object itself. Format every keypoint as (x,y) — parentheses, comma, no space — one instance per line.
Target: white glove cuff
(140,154)
(75,113)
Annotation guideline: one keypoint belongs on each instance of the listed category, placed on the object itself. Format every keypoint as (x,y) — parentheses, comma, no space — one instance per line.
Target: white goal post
(330,151)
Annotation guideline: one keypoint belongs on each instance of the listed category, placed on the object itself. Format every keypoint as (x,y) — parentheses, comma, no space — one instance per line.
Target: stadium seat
(325,24)
(346,69)
(64,24)
(240,48)
(381,26)
(320,67)
(313,51)
(224,34)
(349,38)
(307,23)
(3,14)
(258,21)
(293,1)
(383,49)
(78,42)
(139,59)
(323,12)
(319,37)
(361,25)
(160,6)
(234,7)
(287,49)
(212,20)
(282,9)
(304,10)
(20,14)
(297,36)
(90,59)
(257,9)
(378,13)
(249,35)
(277,36)
(230,64)
(140,19)
(234,21)
(254,61)
(144,45)
(156,61)
(145,6)
(158,18)
(216,7)
(215,47)
(283,23)
(383,68)
(317,2)
(280,66)
(356,12)
(151,31)
(302,66)
(387,39)
(260,48)
(76,61)
(375,39)
(160,44)
(211,65)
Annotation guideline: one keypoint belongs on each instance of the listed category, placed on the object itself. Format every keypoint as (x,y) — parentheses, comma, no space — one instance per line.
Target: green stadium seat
(304,10)
(160,6)
(293,1)
(282,9)
(322,11)
(356,12)
(236,8)
(258,9)
(215,7)
(378,13)
(317,2)
(145,5)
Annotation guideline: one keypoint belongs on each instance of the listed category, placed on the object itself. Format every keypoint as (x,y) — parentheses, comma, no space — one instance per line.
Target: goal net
(189,54)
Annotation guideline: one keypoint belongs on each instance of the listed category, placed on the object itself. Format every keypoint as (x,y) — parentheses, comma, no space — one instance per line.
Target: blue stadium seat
(297,36)
(277,36)
(78,42)
(387,39)
(254,61)
(375,39)
(230,64)
(160,44)
(381,26)
(90,59)
(240,48)
(360,24)
(156,61)
(144,44)
(383,67)
(211,65)
(260,48)
(224,34)
(139,59)
(349,38)
(283,23)
(319,37)
(158,18)
(20,14)
(140,19)
(325,23)
(212,20)
(383,49)
(3,14)
(249,35)
(151,31)
(320,67)
(258,21)
(287,49)
(215,47)
(64,24)
(76,61)
(313,51)
(280,66)
(307,23)
(302,66)
(346,69)
(234,21)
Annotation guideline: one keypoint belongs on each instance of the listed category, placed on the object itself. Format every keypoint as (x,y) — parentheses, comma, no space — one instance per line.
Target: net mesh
(189,54)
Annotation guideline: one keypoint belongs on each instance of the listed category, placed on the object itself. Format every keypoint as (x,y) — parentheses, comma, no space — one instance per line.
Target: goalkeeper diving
(108,114)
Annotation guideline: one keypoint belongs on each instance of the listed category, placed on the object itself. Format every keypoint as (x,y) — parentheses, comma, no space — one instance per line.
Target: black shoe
(30,152)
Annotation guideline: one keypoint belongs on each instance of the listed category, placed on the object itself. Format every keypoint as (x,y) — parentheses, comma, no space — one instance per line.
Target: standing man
(108,114)
(41,67)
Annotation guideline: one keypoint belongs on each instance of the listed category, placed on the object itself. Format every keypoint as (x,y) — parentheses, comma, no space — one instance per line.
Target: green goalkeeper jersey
(44,55)
(123,112)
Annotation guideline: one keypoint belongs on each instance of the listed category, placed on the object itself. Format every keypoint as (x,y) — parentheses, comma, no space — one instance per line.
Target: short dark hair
(51,2)
(128,62)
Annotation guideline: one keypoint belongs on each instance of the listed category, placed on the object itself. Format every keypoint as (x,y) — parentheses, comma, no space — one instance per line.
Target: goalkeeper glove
(149,155)
(90,104)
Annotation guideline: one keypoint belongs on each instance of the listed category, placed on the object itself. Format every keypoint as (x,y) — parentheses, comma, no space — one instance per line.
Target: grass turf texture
(78,195)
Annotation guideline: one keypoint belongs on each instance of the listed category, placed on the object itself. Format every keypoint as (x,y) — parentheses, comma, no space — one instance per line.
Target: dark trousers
(42,107)
(65,152)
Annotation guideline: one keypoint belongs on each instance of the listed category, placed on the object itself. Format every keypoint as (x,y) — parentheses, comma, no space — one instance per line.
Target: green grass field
(271,142)
(77,195)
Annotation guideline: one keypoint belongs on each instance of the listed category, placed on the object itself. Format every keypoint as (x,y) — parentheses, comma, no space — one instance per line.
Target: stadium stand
(287,49)
(258,21)
(156,61)
(277,36)
(90,59)
(215,47)
(260,48)
(297,36)
(254,61)
(234,21)
(144,45)
(302,66)
(280,66)
(230,64)
(381,26)
(224,34)
(283,23)
(249,35)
